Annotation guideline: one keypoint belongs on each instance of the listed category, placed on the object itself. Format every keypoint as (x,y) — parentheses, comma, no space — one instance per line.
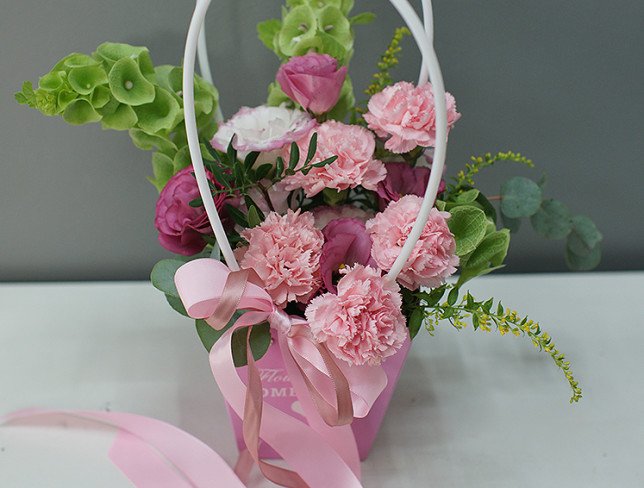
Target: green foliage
(162,276)
(243,178)
(260,339)
(553,220)
(382,78)
(484,315)
(469,225)
(119,86)
(520,197)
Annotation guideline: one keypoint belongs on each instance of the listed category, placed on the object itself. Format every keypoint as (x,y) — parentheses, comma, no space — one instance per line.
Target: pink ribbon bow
(322,453)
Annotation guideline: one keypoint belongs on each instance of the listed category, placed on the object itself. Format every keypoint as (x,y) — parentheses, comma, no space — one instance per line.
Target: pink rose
(353,145)
(182,227)
(433,258)
(313,80)
(363,323)
(405,114)
(285,250)
(403,179)
(346,243)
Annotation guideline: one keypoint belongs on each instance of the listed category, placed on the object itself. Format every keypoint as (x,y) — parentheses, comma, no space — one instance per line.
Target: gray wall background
(560,81)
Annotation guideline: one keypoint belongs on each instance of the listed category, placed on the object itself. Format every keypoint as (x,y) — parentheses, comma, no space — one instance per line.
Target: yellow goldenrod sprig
(388,60)
(483,316)
(466,177)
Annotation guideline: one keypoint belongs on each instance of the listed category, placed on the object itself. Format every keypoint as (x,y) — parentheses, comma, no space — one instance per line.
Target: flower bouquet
(315,234)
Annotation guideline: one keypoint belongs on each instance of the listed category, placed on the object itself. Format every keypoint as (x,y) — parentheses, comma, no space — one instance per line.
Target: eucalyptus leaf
(520,197)
(260,340)
(177,305)
(585,262)
(553,220)
(207,334)
(513,225)
(162,276)
(584,237)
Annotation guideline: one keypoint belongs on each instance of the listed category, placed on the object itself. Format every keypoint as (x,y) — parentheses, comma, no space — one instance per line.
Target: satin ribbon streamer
(151,453)
(322,453)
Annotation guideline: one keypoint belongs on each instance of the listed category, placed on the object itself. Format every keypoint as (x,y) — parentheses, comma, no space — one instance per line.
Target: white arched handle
(430,60)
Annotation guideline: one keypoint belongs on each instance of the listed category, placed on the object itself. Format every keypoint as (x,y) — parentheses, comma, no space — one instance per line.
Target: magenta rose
(403,179)
(313,80)
(182,227)
(346,243)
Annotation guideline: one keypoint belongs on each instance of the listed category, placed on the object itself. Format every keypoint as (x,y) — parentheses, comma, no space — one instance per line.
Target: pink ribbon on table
(151,453)
(322,453)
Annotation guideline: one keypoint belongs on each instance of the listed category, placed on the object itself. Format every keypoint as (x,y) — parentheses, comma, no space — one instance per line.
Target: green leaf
(160,114)
(262,171)
(585,262)
(313,147)
(80,112)
(237,215)
(520,197)
(279,168)
(468,225)
(487,207)
(324,162)
(415,321)
(253,216)
(363,18)
(432,298)
(267,31)
(260,340)
(207,334)
(468,196)
(100,97)
(294,157)
(162,276)
(128,84)
(492,250)
(162,168)
(467,274)
(513,225)
(177,305)
(553,220)
(584,237)
(250,160)
(452,296)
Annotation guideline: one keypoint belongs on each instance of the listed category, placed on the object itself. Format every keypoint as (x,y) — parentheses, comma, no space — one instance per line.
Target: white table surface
(471,409)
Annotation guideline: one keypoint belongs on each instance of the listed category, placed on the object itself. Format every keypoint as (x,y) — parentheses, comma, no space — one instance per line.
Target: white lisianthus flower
(264,129)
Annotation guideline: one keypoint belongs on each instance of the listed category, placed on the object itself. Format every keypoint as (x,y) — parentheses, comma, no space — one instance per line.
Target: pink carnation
(406,114)
(285,250)
(433,258)
(363,323)
(353,145)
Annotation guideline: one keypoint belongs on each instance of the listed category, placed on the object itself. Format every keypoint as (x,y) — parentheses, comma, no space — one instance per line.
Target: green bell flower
(299,25)
(80,112)
(128,84)
(84,79)
(163,113)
